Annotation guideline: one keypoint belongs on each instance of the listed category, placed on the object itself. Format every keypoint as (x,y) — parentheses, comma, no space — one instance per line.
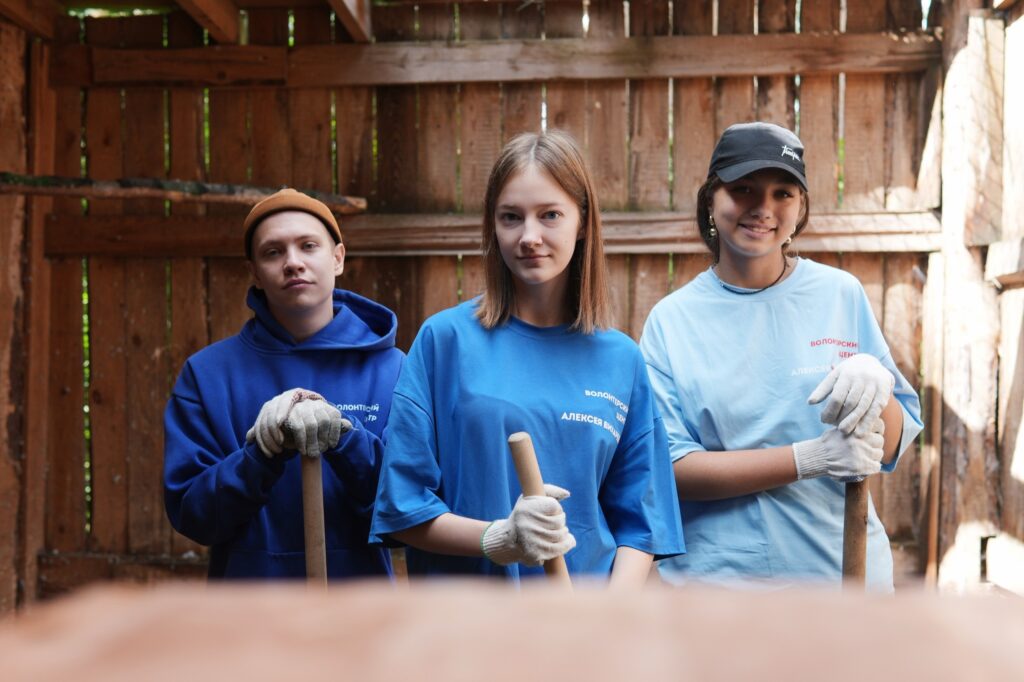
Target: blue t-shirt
(733,372)
(584,399)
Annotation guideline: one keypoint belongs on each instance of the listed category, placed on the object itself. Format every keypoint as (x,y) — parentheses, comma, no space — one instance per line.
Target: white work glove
(839,455)
(534,532)
(268,430)
(314,426)
(857,390)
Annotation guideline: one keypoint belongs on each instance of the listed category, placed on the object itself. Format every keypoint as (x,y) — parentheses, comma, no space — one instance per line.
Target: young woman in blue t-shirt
(533,354)
(774,382)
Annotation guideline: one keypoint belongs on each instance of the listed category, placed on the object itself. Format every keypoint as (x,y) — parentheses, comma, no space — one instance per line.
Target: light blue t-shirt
(587,404)
(733,372)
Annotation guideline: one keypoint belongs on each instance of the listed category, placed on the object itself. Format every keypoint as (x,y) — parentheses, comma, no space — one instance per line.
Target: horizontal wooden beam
(37,17)
(415,235)
(498,60)
(1004,266)
(188,191)
(66,571)
(218,17)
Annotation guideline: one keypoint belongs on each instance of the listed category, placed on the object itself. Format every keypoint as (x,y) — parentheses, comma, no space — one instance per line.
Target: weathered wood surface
(13,151)
(441,234)
(37,17)
(185,191)
(264,633)
(507,60)
(219,18)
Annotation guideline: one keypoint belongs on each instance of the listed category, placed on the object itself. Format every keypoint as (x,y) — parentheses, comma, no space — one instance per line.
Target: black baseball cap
(748,147)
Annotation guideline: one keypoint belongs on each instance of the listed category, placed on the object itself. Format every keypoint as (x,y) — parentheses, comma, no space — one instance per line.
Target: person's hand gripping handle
(528,471)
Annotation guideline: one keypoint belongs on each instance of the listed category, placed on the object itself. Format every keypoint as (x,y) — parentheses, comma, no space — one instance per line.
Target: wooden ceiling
(219,17)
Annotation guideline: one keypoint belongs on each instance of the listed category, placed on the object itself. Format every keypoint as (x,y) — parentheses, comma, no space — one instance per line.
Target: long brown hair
(555,152)
(704,198)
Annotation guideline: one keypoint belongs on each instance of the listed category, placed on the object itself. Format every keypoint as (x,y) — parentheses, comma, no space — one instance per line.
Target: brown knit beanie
(288,200)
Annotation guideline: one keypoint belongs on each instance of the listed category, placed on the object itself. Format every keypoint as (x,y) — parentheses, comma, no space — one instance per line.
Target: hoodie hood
(359,324)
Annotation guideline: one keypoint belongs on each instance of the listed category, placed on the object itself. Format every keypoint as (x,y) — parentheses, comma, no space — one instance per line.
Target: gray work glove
(839,455)
(857,389)
(314,427)
(268,430)
(534,532)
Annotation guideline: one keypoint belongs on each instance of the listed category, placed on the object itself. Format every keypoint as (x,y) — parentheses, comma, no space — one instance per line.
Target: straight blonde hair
(556,153)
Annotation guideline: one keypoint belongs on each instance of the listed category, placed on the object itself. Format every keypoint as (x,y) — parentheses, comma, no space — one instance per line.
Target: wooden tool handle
(528,471)
(855,534)
(313,520)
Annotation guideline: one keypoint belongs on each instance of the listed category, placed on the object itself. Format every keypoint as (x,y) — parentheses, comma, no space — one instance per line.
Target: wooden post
(969,495)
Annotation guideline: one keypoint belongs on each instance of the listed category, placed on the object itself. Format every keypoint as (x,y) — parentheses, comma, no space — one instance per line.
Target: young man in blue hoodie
(311,374)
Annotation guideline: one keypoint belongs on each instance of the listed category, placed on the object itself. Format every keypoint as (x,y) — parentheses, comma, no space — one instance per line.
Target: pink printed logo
(847,347)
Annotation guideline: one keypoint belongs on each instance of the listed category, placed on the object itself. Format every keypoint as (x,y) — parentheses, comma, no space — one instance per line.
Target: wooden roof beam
(354,15)
(218,17)
(38,17)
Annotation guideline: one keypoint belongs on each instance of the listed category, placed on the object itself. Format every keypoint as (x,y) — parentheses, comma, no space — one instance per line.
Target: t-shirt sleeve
(680,430)
(408,492)
(638,496)
(873,342)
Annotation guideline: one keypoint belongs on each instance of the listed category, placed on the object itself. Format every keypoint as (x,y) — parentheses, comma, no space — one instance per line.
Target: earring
(712,232)
(788,241)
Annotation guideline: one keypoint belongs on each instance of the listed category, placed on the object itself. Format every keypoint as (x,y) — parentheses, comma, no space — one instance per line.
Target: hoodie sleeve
(356,461)
(210,495)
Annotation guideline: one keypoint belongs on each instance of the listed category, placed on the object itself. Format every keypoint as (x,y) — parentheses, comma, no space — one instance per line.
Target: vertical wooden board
(65,479)
(396,120)
(825,258)
(735,95)
(1011,410)
(360,275)
(870,270)
(188,307)
(64,522)
(473,279)
(147,353)
(437,161)
(905,146)
(693,114)
(438,286)
(618,288)
(864,115)
(275,140)
(310,111)
(14,58)
(1013,133)
(398,152)
(649,149)
(775,94)
(932,349)
(480,136)
(650,284)
(436,147)
(607,119)
(107,388)
(686,267)
(521,102)
(819,122)
(228,278)
(902,329)
(353,111)
(565,99)
(42,107)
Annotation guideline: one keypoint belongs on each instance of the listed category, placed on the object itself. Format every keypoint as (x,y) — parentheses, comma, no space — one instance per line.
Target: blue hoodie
(222,492)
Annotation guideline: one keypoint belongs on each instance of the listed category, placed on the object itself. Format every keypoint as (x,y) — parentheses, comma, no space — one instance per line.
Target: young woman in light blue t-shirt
(774,382)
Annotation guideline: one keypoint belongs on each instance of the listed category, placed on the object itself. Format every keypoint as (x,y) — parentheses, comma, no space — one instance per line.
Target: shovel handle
(528,471)
(855,534)
(313,520)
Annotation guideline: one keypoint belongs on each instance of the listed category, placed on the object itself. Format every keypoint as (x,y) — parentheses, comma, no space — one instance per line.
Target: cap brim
(737,171)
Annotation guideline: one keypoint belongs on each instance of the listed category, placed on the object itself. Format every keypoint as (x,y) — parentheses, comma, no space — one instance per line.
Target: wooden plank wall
(423,149)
